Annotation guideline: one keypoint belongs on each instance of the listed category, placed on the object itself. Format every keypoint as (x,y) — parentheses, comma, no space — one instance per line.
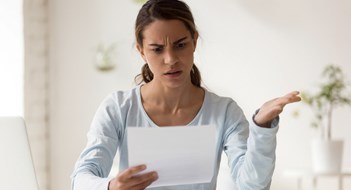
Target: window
(11,58)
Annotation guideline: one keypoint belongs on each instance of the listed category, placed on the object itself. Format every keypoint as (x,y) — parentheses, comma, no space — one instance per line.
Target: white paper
(180,155)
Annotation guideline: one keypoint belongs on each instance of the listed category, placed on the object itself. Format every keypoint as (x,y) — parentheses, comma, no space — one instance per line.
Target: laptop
(16,165)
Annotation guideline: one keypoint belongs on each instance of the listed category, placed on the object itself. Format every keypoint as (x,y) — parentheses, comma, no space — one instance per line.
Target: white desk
(300,174)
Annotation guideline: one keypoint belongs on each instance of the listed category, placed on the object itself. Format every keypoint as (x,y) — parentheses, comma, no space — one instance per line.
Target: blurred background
(53,70)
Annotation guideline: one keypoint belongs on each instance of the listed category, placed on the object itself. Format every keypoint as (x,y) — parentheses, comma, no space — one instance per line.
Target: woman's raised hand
(273,108)
(129,179)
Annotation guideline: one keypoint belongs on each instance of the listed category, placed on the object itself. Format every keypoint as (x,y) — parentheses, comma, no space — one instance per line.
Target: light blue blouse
(250,149)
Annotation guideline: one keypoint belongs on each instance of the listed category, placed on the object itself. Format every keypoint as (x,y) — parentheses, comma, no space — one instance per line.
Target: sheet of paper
(180,155)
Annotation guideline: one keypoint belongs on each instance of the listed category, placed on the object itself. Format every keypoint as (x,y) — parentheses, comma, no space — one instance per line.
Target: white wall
(249,50)
(11,48)
(77,88)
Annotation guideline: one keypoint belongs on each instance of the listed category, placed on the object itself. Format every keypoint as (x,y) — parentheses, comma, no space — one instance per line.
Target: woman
(170,94)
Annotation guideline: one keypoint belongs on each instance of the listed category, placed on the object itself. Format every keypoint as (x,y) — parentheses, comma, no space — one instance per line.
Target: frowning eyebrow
(174,43)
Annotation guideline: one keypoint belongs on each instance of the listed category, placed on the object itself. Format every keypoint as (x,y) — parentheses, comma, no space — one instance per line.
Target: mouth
(173,73)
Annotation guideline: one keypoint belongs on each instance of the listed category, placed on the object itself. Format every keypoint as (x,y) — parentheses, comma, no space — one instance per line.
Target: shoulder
(217,100)
(119,101)
(223,109)
(116,105)
(121,97)
(222,105)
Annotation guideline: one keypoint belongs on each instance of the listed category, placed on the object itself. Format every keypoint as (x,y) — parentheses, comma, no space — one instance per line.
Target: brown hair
(164,10)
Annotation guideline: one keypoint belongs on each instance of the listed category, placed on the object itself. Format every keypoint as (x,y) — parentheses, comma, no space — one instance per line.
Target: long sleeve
(94,163)
(250,150)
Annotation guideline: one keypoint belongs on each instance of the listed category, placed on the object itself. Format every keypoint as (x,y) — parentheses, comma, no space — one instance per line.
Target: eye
(157,50)
(180,45)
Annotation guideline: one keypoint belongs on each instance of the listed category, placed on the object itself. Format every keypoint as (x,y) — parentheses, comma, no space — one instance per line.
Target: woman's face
(168,49)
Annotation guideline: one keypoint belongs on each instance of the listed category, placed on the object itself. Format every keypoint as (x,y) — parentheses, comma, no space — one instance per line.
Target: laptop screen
(17,170)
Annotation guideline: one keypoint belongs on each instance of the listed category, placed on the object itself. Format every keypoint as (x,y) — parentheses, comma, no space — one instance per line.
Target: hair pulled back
(164,10)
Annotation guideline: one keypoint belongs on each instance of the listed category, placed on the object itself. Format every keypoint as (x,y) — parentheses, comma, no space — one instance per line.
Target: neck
(169,99)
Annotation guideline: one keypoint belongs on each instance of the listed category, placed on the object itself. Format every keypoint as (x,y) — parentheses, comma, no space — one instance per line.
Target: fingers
(289,98)
(143,185)
(130,172)
(142,181)
(294,93)
(131,179)
(274,107)
(293,96)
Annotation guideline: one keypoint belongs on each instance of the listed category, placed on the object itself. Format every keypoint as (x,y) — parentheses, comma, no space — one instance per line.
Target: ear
(196,35)
(141,51)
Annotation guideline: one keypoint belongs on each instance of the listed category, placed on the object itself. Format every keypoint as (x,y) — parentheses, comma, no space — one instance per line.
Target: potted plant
(327,152)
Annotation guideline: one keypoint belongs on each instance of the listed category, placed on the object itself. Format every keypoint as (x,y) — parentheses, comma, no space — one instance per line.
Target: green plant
(105,57)
(332,93)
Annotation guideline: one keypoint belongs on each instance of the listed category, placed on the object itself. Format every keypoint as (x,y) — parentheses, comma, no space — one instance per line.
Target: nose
(170,57)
